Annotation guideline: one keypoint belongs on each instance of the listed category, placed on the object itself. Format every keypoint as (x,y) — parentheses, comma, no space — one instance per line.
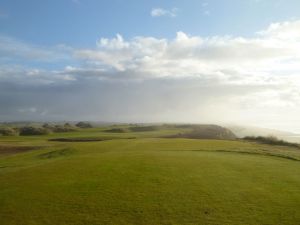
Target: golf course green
(114,176)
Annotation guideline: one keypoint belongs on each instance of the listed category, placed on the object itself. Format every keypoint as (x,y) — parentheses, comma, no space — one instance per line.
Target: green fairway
(141,178)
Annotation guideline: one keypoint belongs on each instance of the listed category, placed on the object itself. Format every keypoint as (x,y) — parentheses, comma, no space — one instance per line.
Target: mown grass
(148,180)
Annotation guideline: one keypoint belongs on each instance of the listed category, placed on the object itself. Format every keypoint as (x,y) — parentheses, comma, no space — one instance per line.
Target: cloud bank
(187,79)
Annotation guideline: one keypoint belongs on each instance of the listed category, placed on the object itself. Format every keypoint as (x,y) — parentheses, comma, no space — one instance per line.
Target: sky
(192,61)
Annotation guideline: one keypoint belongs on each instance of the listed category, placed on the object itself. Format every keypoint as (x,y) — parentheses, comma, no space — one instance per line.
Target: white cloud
(270,56)
(12,49)
(158,12)
(191,78)
(115,43)
(274,51)
(260,75)
(286,31)
(20,75)
(205,10)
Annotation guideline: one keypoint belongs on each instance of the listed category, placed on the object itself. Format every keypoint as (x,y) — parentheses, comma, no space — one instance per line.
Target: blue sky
(80,22)
(151,61)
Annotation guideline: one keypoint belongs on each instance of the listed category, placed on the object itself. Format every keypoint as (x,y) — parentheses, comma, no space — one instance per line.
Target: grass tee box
(138,176)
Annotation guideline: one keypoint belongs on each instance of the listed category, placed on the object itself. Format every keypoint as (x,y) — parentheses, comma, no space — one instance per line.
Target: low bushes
(271,140)
(116,130)
(7,131)
(59,128)
(84,125)
(143,128)
(29,130)
(46,128)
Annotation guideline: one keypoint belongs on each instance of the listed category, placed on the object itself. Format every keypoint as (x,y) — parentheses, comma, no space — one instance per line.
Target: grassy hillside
(137,177)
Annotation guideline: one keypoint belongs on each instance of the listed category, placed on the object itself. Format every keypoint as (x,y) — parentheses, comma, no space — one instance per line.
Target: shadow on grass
(87,139)
(277,155)
(56,153)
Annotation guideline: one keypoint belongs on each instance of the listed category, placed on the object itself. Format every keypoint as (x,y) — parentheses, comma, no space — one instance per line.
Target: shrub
(7,131)
(59,128)
(84,125)
(28,130)
(116,130)
(143,128)
(64,128)
(271,140)
(67,125)
(47,126)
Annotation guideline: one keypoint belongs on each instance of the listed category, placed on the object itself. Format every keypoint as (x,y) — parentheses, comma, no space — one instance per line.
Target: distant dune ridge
(169,130)
(193,131)
(206,132)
